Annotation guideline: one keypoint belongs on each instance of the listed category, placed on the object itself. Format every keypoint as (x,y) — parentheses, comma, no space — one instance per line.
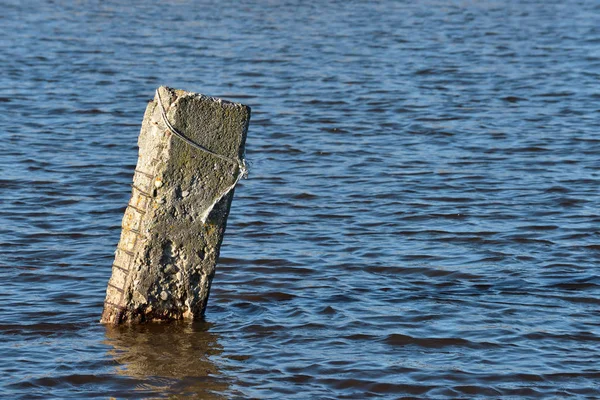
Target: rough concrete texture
(174,224)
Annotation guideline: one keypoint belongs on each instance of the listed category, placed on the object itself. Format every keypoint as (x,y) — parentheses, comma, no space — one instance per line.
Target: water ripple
(421,218)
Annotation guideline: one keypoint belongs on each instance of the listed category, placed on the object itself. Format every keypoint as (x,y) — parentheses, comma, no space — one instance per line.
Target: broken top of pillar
(191,150)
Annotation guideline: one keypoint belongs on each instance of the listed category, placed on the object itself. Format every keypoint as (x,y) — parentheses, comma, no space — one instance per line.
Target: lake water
(421,218)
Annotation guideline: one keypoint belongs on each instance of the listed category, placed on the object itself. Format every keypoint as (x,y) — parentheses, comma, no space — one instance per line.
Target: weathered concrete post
(190,159)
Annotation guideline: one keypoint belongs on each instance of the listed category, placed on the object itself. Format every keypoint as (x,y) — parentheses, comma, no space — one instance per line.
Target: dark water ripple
(421,218)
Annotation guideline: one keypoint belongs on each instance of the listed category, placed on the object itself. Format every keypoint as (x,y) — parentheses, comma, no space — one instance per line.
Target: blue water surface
(421,218)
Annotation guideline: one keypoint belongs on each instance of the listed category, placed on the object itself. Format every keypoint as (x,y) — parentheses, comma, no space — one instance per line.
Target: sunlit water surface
(421,218)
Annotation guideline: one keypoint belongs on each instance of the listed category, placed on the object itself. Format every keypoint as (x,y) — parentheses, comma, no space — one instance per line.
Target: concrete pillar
(190,158)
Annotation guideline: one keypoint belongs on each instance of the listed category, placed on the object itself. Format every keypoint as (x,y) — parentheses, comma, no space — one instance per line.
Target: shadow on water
(170,359)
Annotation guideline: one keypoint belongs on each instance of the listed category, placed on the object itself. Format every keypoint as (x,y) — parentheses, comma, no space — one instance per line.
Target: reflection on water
(171,359)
